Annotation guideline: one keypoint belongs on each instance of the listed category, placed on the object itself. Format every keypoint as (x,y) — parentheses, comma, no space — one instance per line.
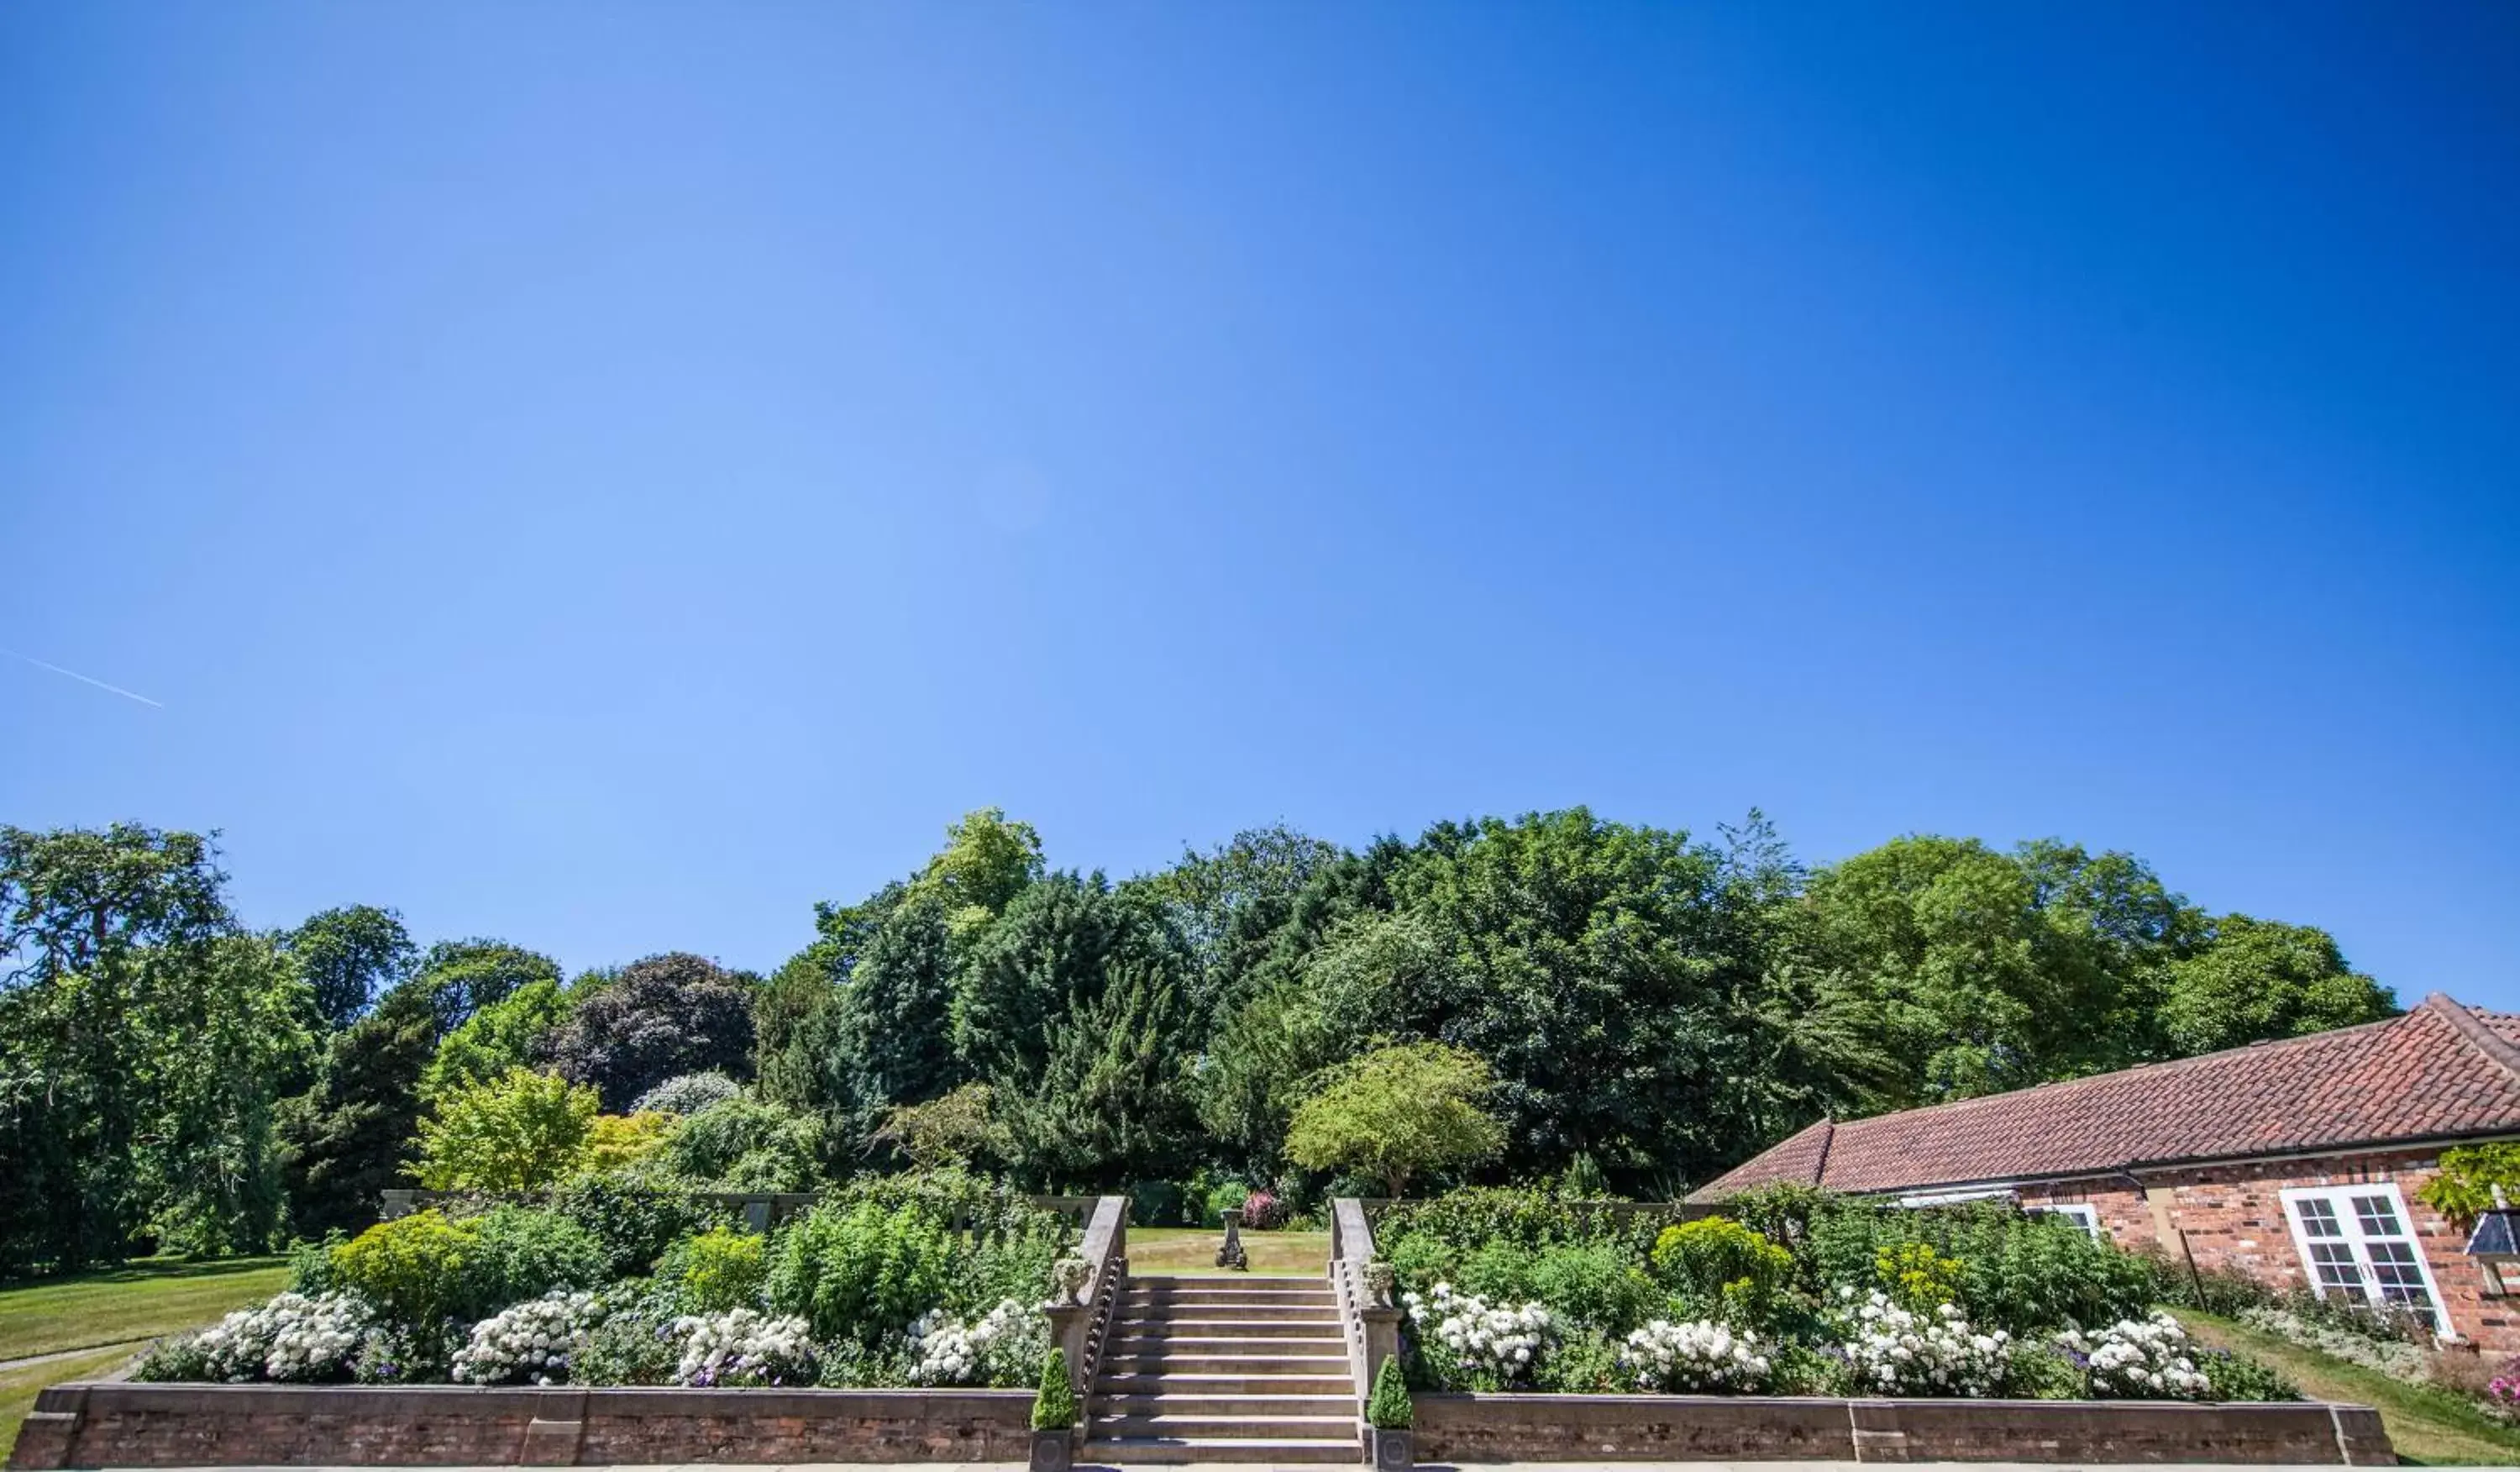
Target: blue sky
(613,474)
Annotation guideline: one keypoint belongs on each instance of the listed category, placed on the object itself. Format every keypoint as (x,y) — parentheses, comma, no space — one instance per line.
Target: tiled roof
(2441,1071)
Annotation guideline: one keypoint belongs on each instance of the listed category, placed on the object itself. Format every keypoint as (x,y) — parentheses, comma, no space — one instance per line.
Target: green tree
(512,1031)
(349,956)
(2258,978)
(519,1133)
(465,976)
(1397,1113)
(349,1137)
(1112,1103)
(107,942)
(987,860)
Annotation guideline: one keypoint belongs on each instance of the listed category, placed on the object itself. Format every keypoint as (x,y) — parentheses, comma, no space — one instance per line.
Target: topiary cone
(1053,1406)
(1389,1407)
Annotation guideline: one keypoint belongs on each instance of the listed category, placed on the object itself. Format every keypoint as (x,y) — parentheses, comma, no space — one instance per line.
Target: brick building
(2297,1160)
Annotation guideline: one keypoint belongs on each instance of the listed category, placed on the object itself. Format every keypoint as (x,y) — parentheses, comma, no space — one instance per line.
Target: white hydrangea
(1481,1338)
(292,1337)
(1897,1352)
(1004,1345)
(2142,1358)
(743,1347)
(529,1343)
(1698,1356)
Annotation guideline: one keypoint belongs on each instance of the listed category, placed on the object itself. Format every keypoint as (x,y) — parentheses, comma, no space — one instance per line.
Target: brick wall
(1476,1428)
(124,1425)
(2233,1217)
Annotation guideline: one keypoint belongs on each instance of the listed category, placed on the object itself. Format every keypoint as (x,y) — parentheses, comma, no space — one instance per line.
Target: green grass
(2425,1424)
(135,1302)
(1190,1251)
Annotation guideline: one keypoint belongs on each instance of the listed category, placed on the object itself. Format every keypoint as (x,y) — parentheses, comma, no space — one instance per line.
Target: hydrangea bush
(1696,1357)
(1485,1342)
(743,1347)
(1000,1347)
(533,1343)
(1894,1350)
(289,1338)
(2139,1358)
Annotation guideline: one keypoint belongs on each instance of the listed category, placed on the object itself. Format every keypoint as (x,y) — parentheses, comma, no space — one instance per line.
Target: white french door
(2360,1242)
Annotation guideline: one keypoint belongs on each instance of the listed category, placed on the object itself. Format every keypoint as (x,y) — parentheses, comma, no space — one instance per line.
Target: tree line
(1651,1008)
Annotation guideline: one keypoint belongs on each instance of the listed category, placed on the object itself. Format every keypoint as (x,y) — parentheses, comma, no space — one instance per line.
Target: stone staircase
(1224,1369)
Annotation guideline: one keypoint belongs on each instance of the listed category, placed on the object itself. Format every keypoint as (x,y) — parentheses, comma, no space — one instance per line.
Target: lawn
(2426,1425)
(1190,1251)
(135,1302)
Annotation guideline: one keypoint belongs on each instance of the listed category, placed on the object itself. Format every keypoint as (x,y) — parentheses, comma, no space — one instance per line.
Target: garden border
(122,1424)
(131,1425)
(1530,1427)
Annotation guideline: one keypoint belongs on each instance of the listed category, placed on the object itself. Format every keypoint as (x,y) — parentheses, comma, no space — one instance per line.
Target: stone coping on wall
(121,1425)
(1526,1427)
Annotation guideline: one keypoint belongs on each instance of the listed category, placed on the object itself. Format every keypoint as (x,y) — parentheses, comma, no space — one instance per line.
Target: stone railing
(1082,1324)
(1368,1319)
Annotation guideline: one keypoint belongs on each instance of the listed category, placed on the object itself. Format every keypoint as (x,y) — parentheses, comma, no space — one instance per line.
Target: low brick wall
(126,1425)
(1474,1428)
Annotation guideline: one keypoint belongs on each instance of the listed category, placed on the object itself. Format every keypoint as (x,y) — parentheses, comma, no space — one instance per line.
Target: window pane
(2317,1218)
(2378,1216)
(2334,1262)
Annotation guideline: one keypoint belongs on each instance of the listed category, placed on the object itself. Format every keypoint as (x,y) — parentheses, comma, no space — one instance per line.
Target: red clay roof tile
(2439,1071)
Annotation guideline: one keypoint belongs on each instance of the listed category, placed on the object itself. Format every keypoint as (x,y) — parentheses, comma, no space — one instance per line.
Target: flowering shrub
(531,1343)
(741,1347)
(1486,1343)
(1897,1350)
(2139,1358)
(1000,1347)
(2395,1358)
(687,1093)
(292,1338)
(1262,1211)
(1696,1357)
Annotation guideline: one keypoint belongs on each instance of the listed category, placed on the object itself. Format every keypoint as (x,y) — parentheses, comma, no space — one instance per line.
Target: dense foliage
(1522,1290)
(1551,998)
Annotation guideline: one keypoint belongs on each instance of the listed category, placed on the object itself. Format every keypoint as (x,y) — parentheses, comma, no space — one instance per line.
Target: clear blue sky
(610,476)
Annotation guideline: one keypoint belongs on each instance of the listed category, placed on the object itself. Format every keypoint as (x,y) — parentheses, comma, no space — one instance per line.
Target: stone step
(1165,1450)
(1186,1303)
(1296,1286)
(1252,1312)
(1237,1327)
(1230,1356)
(1163,1380)
(1227,1426)
(1176,1402)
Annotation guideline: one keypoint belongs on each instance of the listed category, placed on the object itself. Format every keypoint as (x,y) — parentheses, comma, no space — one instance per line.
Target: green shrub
(719,1270)
(1724,1269)
(635,1344)
(952,1197)
(1584,1361)
(1222,1196)
(310,1265)
(745,1144)
(417,1270)
(2041,1371)
(527,1252)
(861,1272)
(636,1222)
(1389,1407)
(1156,1203)
(1053,1406)
(1004,1267)
(2238,1377)
(2029,1272)
(1917,1277)
(1594,1286)
(1476,1216)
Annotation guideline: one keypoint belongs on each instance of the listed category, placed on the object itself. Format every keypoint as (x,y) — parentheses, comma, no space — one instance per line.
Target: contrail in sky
(83,679)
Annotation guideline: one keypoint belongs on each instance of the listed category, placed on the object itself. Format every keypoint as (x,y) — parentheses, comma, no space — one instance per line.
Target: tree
(665,1015)
(512,1031)
(987,860)
(521,1131)
(958,1129)
(349,1137)
(211,1164)
(106,945)
(350,956)
(2258,978)
(1399,1112)
(465,976)
(1112,1103)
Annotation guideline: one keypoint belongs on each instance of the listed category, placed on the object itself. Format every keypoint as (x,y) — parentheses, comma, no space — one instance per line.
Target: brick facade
(1477,1428)
(124,1425)
(2232,1217)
